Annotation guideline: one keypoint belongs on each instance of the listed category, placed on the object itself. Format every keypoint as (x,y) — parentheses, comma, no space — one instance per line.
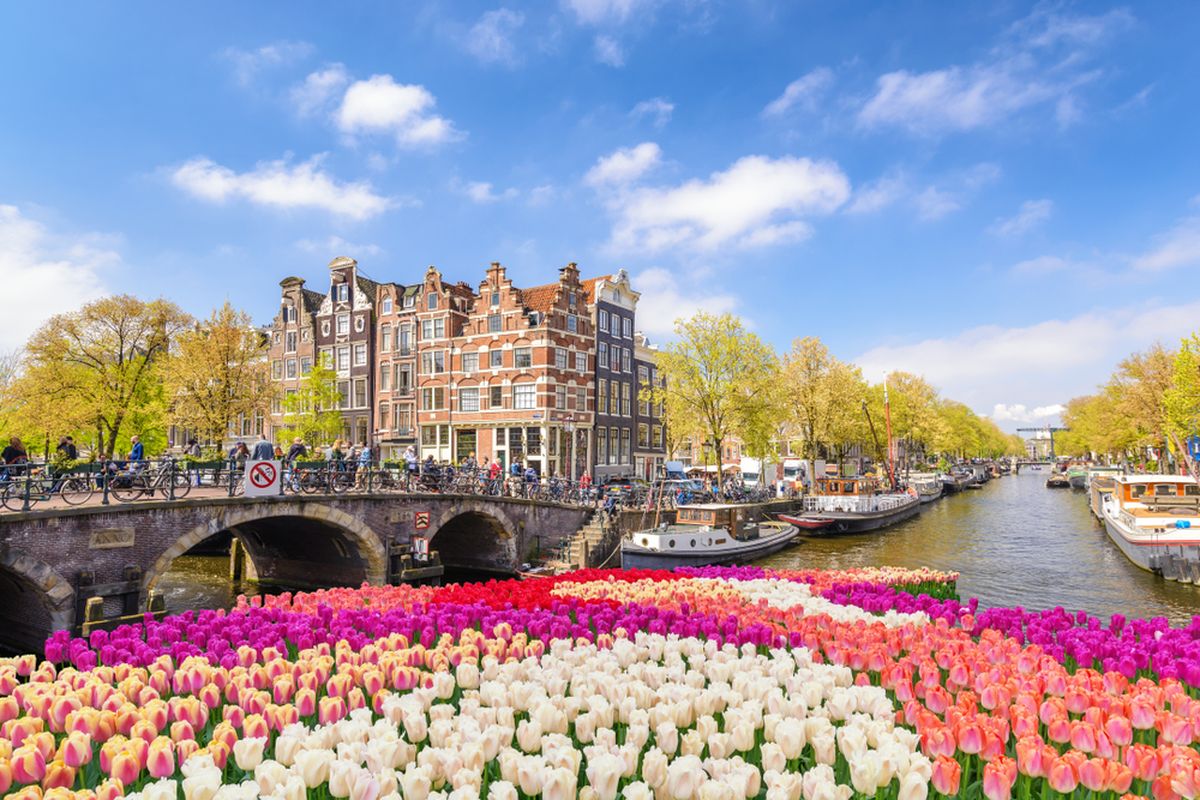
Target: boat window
(693,542)
(1137,489)
(1164,489)
(1192,489)
(670,543)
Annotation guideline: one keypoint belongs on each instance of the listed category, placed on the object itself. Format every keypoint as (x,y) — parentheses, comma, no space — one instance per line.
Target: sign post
(262,478)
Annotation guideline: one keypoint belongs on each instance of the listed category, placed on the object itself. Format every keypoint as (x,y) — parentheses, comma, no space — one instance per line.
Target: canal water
(1014,542)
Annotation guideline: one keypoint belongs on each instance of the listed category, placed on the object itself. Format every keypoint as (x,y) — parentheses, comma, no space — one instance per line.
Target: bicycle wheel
(126,489)
(13,496)
(76,490)
(182,484)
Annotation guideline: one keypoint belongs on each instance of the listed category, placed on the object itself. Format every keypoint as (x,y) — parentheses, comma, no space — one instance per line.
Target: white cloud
(319,89)
(934,203)
(49,272)
(337,246)
(483,192)
(1043,264)
(660,109)
(1043,363)
(248,63)
(878,194)
(608,50)
(540,195)
(624,166)
(405,111)
(1018,412)
(1031,214)
(280,184)
(757,201)
(1179,247)
(490,39)
(667,297)
(606,12)
(801,93)
(1042,64)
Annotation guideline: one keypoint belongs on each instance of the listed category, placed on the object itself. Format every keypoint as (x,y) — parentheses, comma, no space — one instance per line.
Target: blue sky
(1004,196)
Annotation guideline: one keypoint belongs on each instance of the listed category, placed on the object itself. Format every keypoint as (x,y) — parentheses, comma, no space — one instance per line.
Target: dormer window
(342,292)
(387,305)
(409,300)
(431,301)
(534,319)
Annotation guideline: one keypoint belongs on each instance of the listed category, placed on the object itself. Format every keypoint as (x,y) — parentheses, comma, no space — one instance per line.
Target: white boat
(1155,520)
(1100,482)
(857,505)
(704,534)
(929,487)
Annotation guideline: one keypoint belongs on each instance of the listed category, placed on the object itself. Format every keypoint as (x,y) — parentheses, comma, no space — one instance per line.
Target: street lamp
(569,427)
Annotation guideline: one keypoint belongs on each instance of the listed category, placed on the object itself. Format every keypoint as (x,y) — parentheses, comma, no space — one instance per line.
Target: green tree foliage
(99,369)
(218,371)
(312,411)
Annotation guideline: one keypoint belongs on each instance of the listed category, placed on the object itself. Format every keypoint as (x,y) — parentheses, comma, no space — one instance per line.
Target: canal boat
(706,534)
(1155,521)
(1101,481)
(1077,476)
(954,481)
(929,487)
(857,505)
(1057,480)
(806,523)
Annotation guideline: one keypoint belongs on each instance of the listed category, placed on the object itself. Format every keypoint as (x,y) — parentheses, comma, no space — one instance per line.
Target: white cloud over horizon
(666,297)
(50,272)
(380,105)
(1031,214)
(333,246)
(624,166)
(281,184)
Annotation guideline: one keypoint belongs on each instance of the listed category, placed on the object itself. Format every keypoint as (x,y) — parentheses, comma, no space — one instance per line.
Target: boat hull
(1078,481)
(1180,562)
(851,522)
(635,557)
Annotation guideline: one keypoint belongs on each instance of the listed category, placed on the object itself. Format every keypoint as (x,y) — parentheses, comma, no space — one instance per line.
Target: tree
(312,411)
(822,397)
(1182,400)
(1140,385)
(719,381)
(218,371)
(100,369)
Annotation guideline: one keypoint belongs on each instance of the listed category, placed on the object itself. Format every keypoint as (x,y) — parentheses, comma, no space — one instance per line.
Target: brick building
(649,450)
(345,337)
(613,306)
(293,345)
(396,377)
(441,314)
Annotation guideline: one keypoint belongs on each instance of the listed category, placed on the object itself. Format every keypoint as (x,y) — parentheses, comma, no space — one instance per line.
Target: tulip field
(697,684)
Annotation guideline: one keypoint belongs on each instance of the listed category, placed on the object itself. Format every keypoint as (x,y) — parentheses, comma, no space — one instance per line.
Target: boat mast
(887,416)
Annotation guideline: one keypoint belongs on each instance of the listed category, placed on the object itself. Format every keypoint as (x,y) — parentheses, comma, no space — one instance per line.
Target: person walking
(297,450)
(15,452)
(66,449)
(137,451)
(364,467)
(192,450)
(263,450)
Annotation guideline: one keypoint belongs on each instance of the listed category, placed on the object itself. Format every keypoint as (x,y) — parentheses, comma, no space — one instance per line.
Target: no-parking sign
(262,478)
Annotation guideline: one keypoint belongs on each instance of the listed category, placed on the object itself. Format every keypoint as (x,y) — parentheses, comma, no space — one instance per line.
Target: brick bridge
(51,562)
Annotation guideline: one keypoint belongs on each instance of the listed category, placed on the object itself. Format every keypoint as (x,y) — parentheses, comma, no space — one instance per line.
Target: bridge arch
(477,535)
(271,538)
(24,623)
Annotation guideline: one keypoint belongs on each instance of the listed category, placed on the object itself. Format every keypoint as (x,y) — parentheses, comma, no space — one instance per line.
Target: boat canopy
(847,486)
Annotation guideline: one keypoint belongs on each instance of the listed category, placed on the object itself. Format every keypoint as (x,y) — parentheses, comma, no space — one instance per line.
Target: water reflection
(1015,543)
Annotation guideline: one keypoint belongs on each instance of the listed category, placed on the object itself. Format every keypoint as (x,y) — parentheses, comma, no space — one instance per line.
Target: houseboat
(1155,520)
(929,487)
(704,534)
(857,505)
(1101,481)
(1077,476)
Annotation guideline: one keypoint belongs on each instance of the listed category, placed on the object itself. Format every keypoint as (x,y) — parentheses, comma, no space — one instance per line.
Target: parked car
(624,489)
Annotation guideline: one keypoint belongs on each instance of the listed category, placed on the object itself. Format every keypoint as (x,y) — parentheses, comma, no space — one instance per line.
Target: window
(524,396)
(343,394)
(625,459)
(535,319)
(643,375)
(468,399)
(289,339)
(643,435)
(614,358)
(343,359)
(497,397)
(277,370)
(385,414)
(409,300)
(602,323)
(385,338)
(614,399)
(522,358)
(404,379)
(360,323)
(403,419)
(602,354)
(385,378)
(431,301)
(560,358)
(343,292)
(572,323)
(433,328)
(626,360)
(433,398)
(429,435)
(433,362)
(291,368)
(325,327)
(360,392)
(627,324)
(343,324)
(614,445)
(496,358)
(560,397)
(327,358)
(276,405)
(404,339)
(493,323)
(305,335)
(601,445)
(602,396)
(658,436)
(386,306)
(470,363)
(581,398)
(581,362)
(495,299)
(360,355)
(626,405)
(305,365)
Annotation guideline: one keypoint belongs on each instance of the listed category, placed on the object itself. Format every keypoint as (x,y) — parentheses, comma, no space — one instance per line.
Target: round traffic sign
(262,475)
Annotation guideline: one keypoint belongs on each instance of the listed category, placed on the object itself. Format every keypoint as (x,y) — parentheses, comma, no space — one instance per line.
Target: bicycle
(43,486)
(140,481)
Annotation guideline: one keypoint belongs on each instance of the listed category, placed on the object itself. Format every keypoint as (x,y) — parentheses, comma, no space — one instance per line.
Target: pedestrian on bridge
(263,450)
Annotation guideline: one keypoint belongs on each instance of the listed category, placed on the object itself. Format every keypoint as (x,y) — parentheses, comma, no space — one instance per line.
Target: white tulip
(501,790)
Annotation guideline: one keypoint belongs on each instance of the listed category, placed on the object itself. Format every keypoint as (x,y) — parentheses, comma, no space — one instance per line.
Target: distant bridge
(52,562)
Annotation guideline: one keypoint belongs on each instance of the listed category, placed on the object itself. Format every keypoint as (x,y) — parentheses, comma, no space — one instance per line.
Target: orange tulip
(111,789)
(254,726)
(1119,778)
(76,749)
(998,778)
(125,767)
(1093,774)
(946,776)
(58,776)
(1062,776)
(28,765)
(1161,788)
(6,776)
